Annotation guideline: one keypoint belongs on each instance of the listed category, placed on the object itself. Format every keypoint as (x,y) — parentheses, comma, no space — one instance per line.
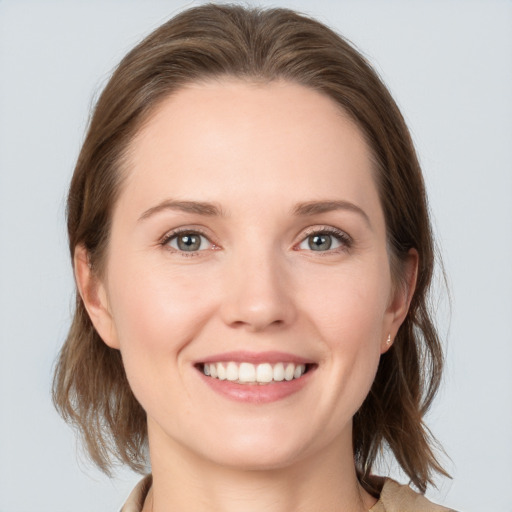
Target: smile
(249,373)
(256,377)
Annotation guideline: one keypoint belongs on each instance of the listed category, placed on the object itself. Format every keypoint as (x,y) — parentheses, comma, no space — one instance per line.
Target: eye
(326,239)
(187,241)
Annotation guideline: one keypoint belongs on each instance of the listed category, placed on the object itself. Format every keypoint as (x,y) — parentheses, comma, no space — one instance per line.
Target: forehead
(237,109)
(230,135)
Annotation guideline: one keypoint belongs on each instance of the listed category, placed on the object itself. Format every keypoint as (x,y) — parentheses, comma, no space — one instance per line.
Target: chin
(259,448)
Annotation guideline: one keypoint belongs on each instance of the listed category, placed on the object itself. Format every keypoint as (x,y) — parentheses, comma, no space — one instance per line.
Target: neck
(184,482)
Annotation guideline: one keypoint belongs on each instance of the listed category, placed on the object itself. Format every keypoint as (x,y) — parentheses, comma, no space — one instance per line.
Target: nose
(258,292)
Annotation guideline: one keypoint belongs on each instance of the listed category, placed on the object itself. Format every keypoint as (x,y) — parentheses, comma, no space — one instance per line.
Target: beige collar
(393,498)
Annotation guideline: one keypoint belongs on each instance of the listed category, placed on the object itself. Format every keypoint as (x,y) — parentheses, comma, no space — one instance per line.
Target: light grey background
(449,65)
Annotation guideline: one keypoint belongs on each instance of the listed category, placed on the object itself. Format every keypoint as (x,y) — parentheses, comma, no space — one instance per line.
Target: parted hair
(90,387)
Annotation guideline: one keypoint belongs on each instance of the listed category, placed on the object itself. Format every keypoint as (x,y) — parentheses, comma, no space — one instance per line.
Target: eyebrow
(198,207)
(305,209)
(316,207)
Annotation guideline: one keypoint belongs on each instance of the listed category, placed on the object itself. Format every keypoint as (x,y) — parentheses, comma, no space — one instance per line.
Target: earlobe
(386,344)
(94,296)
(401,300)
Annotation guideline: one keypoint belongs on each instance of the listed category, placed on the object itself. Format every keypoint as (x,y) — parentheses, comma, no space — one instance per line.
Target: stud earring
(388,341)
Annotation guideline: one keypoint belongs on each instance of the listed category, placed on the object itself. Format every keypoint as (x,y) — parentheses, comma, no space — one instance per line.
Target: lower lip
(257,393)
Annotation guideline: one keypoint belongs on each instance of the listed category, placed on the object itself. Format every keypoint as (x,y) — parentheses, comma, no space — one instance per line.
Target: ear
(94,296)
(400,300)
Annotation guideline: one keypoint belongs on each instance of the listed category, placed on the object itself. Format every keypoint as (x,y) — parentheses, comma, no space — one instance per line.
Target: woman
(252,251)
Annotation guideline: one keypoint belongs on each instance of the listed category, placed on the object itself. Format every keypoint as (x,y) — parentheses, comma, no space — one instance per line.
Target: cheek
(349,317)
(155,305)
(157,313)
(349,305)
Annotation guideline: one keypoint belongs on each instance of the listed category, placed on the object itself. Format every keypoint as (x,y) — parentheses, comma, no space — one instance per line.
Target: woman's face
(249,242)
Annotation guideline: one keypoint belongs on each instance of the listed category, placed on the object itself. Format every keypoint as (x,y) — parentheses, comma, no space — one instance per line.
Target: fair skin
(287,262)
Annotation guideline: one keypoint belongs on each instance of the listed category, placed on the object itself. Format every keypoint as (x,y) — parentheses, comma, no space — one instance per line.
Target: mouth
(256,377)
(264,373)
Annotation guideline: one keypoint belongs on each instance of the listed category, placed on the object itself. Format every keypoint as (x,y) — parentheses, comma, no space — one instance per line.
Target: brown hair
(90,387)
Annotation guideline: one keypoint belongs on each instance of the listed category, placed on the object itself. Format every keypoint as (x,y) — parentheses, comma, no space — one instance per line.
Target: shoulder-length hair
(90,386)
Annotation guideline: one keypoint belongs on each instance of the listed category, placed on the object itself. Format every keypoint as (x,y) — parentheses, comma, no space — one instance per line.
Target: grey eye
(325,240)
(188,242)
(320,242)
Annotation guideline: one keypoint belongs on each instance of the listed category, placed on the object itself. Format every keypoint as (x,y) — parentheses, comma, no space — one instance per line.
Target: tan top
(393,498)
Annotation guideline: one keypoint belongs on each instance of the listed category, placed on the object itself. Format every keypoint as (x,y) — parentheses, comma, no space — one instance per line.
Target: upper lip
(241,356)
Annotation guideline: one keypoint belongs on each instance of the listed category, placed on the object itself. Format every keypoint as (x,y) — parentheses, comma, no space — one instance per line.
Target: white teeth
(248,373)
(279,372)
(221,371)
(264,372)
(299,370)
(289,371)
(232,371)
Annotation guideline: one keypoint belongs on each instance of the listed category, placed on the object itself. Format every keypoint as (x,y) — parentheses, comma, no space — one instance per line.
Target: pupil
(320,242)
(189,242)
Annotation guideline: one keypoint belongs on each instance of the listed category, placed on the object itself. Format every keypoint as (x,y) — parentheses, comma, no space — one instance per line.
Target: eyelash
(342,237)
(174,234)
(345,240)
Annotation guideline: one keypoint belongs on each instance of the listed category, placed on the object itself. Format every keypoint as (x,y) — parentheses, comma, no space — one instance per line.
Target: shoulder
(135,501)
(395,497)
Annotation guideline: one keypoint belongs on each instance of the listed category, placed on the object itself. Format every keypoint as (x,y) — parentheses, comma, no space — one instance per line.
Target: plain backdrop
(448,64)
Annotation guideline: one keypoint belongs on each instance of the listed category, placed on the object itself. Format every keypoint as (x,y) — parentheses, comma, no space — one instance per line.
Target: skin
(256,152)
